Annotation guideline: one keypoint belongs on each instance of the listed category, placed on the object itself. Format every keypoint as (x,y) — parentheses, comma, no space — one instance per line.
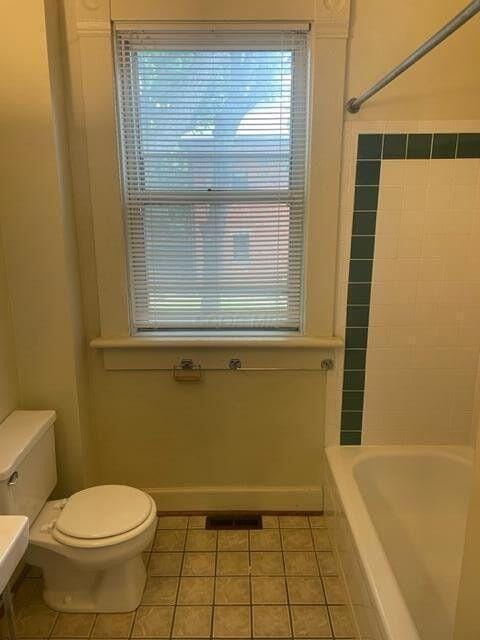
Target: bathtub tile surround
(409,290)
(278,582)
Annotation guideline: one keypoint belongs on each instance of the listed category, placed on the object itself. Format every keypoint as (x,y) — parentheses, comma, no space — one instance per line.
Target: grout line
(214,584)
(290,620)
(178,584)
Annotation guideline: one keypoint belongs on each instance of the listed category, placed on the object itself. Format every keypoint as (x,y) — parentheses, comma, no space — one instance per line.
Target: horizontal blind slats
(213,145)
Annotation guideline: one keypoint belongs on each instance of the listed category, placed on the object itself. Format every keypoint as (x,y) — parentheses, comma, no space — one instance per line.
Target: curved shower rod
(354,104)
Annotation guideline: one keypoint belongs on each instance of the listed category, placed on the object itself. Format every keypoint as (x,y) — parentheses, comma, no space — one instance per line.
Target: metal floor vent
(228,521)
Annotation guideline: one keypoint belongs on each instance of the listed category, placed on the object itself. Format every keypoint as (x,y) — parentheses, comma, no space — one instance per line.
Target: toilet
(89,546)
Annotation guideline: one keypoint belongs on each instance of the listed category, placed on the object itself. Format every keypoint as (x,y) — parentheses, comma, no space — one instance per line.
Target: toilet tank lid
(18,434)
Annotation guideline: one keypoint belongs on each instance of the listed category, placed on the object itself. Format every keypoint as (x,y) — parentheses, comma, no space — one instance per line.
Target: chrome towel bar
(189,371)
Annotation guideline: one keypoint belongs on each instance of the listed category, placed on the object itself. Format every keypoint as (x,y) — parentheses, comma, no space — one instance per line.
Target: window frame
(127,137)
(90,50)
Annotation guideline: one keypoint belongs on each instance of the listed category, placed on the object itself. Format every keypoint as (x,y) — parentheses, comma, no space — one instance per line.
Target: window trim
(329,26)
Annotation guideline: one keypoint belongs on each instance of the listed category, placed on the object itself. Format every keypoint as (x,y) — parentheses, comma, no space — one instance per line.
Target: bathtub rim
(392,610)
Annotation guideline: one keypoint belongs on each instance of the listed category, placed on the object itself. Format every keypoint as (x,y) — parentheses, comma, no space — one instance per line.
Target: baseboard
(228,498)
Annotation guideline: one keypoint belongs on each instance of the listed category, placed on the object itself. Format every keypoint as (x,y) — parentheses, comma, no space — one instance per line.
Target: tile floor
(278,582)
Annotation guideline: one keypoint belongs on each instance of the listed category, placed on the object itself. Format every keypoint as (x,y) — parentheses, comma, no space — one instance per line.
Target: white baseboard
(233,498)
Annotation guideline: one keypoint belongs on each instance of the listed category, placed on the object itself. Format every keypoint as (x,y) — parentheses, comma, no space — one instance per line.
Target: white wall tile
(391,197)
(439,197)
(393,173)
(424,329)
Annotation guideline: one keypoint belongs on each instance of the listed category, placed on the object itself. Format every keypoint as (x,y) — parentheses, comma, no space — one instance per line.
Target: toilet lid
(102,512)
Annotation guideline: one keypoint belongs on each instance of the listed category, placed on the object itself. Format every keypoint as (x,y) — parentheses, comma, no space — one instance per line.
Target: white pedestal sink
(13,544)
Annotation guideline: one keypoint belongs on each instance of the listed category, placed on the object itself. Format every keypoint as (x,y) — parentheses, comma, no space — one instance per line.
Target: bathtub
(397,516)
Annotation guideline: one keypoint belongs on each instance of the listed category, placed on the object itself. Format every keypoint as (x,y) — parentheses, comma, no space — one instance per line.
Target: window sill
(219,342)
(216,352)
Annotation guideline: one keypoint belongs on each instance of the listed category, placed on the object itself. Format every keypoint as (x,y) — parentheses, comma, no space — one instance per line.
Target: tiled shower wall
(409,285)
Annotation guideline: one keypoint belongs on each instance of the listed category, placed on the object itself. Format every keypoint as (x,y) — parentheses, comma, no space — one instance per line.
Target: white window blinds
(213,144)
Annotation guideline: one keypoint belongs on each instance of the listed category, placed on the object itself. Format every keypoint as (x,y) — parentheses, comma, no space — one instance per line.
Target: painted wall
(262,430)
(152,432)
(441,86)
(37,232)
(9,392)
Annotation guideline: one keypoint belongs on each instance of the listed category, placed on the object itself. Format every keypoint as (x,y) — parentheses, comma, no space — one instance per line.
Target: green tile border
(372,150)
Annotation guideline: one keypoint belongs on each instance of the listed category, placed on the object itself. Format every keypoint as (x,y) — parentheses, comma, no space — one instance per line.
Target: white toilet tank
(28,472)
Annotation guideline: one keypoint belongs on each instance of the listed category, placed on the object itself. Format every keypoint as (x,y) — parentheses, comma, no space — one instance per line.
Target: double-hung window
(213,132)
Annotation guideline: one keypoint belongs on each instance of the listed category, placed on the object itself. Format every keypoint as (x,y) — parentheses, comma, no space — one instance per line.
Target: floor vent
(227,521)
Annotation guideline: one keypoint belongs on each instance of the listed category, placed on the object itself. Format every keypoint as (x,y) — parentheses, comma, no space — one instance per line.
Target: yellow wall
(255,430)
(442,86)
(262,429)
(268,428)
(9,393)
(37,232)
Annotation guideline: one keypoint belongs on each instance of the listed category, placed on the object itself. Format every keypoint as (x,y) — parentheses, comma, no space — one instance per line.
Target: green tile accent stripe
(373,148)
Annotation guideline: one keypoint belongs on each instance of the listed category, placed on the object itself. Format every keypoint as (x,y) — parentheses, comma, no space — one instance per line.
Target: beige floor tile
(271,622)
(327,563)
(232,563)
(201,541)
(233,540)
(310,622)
(232,590)
(196,591)
(293,522)
(317,522)
(268,590)
(196,522)
(199,564)
(192,622)
(265,540)
(165,564)
(305,590)
(321,540)
(169,540)
(35,621)
(153,622)
(231,622)
(267,563)
(342,621)
(270,522)
(113,625)
(300,563)
(172,522)
(334,590)
(297,540)
(73,625)
(160,590)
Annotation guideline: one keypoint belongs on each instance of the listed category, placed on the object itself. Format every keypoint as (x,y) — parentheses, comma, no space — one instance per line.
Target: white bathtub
(397,518)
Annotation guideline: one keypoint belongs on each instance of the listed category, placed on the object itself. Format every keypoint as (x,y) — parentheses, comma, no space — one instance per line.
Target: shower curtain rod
(354,104)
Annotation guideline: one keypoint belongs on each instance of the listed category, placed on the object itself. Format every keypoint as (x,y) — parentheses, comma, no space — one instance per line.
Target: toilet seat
(103,516)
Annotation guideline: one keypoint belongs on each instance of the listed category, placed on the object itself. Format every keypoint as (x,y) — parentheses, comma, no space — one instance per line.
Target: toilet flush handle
(13,479)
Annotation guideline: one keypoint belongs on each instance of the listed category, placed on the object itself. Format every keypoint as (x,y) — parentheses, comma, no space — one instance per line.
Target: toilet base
(70,589)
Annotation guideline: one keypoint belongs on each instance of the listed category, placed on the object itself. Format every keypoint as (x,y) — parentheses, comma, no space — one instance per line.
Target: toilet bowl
(89,548)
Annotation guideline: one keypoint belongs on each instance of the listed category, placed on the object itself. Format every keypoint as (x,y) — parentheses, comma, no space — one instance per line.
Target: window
(213,144)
